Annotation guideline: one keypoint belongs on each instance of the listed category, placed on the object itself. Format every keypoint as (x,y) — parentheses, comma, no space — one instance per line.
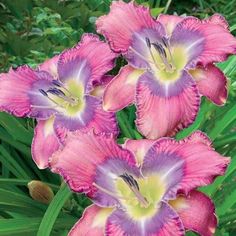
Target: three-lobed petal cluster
(170,64)
(144,187)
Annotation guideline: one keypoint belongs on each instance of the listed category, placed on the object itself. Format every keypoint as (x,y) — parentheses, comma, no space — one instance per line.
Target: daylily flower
(170,62)
(147,187)
(62,94)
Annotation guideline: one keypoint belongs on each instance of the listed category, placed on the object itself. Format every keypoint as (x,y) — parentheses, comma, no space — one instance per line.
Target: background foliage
(32,31)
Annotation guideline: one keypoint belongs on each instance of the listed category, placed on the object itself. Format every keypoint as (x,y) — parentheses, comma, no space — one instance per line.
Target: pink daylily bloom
(170,64)
(64,93)
(146,187)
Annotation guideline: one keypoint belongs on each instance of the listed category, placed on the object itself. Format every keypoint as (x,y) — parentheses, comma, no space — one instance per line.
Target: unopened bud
(40,191)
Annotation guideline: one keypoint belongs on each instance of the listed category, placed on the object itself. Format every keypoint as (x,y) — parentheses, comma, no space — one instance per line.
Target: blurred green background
(32,31)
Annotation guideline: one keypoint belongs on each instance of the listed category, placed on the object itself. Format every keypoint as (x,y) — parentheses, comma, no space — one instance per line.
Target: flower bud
(40,191)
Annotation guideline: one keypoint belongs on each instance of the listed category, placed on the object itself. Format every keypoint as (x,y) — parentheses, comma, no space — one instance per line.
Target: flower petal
(164,108)
(218,20)
(122,22)
(164,223)
(45,142)
(92,222)
(197,212)
(87,62)
(17,90)
(169,21)
(204,41)
(211,83)
(92,116)
(99,88)
(50,66)
(139,148)
(120,92)
(196,162)
(88,160)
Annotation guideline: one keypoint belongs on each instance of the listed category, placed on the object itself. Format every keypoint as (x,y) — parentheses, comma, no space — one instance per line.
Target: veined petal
(211,82)
(165,222)
(18,90)
(91,163)
(163,108)
(99,88)
(196,162)
(45,142)
(90,116)
(197,212)
(122,22)
(204,41)
(120,92)
(139,148)
(50,66)
(169,22)
(218,20)
(87,62)
(92,222)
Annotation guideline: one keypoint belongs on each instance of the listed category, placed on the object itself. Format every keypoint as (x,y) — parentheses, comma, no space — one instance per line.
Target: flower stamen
(134,187)
(44,93)
(149,45)
(109,192)
(162,53)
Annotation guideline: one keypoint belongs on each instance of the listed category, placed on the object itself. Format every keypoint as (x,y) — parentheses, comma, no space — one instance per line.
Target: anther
(56,92)
(133,185)
(148,42)
(57,83)
(43,92)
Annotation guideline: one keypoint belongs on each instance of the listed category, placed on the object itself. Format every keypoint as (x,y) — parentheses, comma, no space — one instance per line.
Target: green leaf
(29,226)
(15,128)
(53,211)
(223,122)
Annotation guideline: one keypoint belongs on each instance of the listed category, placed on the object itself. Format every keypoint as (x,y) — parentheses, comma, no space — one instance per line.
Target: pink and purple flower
(170,64)
(63,94)
(146,187)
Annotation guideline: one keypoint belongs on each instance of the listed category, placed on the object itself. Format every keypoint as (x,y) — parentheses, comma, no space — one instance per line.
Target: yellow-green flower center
(151,188)
(168,67)
(69,97)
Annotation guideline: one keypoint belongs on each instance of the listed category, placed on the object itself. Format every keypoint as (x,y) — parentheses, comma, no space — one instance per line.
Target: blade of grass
(223,122)
(53,211)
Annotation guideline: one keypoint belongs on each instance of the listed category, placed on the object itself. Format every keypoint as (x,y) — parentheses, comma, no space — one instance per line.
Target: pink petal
(202,164)
(15,87)
(103,122)
(45,143)
(87,62)
(81,156)
(139,148)
(92,222)
(169,21)
(197,213)
(50,66)
(162,109)
(218,20)
(122,22)
(120,92)
(99,89)
(211,83)
(213,42)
